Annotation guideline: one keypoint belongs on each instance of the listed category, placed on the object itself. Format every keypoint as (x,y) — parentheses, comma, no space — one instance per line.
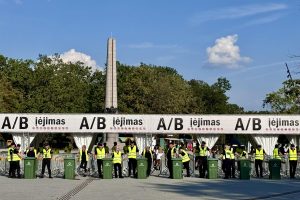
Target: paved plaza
(151,188)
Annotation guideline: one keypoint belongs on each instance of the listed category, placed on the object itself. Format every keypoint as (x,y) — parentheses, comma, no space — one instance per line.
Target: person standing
(185,160)
(170,154)
(113,149)
(293,158)
(84,158)
(132,151)
(31,152)
(232,161)
(117,160)
(259,157)
(99,155)
(147,153)
(106,148)
(196,151)
(10,152)
(203,150)
(226,161)
(47,155)
(16,161)
(276,153)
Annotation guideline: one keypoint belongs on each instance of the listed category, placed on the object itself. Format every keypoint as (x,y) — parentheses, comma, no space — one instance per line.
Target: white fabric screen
(83,139)
(144,140)
(292,139)
(24,139)
(209,139)
(267,142)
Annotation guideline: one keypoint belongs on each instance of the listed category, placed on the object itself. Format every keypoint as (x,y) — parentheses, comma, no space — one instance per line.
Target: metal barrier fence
(57,166)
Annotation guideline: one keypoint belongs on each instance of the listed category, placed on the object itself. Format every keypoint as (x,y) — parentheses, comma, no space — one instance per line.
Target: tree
(286,99)
(59,87)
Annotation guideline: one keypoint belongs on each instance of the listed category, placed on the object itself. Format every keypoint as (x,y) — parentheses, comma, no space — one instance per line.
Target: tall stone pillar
(111,99)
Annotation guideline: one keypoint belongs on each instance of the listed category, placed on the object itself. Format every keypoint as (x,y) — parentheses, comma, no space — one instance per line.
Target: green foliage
(286,99)
(49,85)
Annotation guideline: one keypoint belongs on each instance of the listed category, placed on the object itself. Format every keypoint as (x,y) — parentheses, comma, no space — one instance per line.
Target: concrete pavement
(151,188)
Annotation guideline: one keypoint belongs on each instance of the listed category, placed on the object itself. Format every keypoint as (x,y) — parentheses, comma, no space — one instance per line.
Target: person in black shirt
(31,152)
(16,161)
(10,159)
(170,155)
(148,154)
(83,157)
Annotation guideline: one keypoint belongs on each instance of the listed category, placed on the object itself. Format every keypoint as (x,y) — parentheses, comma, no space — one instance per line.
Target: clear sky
(245,41)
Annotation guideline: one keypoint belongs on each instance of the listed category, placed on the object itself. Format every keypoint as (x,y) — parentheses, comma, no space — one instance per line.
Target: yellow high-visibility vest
(132,152)
(47,153)
(232,155)
(203,151)
(185,157)
(173,152)
(245,156)
(15,157)
(117,157)
(8,154)
(100,153)
(227,154)
(86,155)
(293,154)
(276,154)
(259,154)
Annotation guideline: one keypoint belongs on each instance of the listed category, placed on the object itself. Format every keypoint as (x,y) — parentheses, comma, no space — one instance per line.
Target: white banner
(163,124)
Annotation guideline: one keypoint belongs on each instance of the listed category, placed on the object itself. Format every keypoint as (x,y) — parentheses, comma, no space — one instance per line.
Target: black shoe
(121,177)
(42,176)
(50,177)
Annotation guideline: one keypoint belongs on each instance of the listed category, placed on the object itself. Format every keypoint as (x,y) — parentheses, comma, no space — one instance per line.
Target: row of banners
(163,124)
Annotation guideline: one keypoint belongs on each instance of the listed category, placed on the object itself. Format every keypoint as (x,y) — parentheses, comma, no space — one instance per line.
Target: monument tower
(111,99)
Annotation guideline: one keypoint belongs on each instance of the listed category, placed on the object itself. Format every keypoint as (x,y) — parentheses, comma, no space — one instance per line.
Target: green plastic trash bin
(142,165)
(29,168)
(245,168)
(107,168)
(177,168)
(212,168)
(69,168)
(274,167)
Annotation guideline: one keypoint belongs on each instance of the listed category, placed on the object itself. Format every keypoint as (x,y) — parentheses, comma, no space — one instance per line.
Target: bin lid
(176,159)
(29,158)
(213,159)
(107,158)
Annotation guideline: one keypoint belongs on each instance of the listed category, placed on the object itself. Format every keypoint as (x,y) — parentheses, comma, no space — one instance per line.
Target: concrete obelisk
(111,100)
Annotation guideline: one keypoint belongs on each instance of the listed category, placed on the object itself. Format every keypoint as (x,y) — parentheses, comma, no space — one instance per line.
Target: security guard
(10,152)
(276,153)
(83,157)
(244,154)
(232,160)
(31,152)
(117,160)
(114,147)
(47,155)
(99,155)
(293,158)
(132,151)
(106,148)
(196,151)
(226,155)
(147,153)
(203,149)
(16,161)
(185,160)
(259,157)
(170,154)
